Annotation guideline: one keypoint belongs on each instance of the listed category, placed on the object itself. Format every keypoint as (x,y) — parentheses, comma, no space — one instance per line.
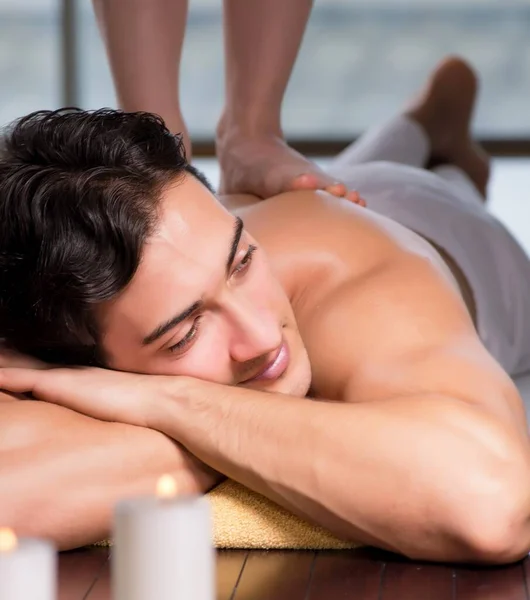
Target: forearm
(262,40)
(431,478)
(61,473)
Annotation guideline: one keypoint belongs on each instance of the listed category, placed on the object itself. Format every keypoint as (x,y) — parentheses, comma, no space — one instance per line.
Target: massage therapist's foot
(444,109)
(264,165)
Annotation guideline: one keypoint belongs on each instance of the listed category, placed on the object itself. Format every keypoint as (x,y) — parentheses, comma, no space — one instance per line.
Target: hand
(99,393)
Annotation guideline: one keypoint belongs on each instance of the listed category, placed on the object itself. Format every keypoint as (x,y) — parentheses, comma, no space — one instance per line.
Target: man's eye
(188,338)
(246,260)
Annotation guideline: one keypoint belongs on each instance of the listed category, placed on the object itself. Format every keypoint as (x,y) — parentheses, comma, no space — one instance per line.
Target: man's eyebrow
(238,230)
(168,325)
(174,321)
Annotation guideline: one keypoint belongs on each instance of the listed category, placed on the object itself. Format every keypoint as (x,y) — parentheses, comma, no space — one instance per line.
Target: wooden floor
(360,575)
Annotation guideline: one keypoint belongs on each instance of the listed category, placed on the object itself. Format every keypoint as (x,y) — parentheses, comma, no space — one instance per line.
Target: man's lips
(275,368)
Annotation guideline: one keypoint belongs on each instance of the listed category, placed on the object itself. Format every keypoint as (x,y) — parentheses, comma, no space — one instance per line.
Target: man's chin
(295,382)
(289,388)
(300,388)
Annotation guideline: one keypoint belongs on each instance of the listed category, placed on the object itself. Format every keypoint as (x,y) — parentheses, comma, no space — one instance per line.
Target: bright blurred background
(359,61)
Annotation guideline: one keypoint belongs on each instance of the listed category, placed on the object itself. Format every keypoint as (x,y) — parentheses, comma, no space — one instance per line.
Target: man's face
(204,303)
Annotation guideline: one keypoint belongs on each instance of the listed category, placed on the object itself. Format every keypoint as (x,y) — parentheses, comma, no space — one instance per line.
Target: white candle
(163,547)
(28,568)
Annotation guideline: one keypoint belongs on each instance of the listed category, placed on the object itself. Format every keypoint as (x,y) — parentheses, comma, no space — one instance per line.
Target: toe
(307,181)
(318,181)
(337,189)
(353,196)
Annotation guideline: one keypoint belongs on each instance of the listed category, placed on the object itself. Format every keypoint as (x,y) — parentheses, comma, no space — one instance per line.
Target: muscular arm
(415,337)
(429,476)
(61,472)
(429,454)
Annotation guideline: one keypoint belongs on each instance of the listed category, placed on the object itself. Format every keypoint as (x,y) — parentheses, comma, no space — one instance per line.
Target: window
(360,61)
(29,57)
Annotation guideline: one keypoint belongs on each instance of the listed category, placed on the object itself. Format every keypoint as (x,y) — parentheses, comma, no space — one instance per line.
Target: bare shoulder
(403,330)
(236,202)
(392,322)
(325,221)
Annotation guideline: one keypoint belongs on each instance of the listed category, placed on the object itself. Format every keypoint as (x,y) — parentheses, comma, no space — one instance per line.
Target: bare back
(379,310)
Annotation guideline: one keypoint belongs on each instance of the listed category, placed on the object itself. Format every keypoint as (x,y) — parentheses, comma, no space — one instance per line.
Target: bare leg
(435,128)
(262,39)
(144,42)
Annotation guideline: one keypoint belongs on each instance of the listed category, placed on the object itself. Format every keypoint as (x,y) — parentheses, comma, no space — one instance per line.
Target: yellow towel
(243,519)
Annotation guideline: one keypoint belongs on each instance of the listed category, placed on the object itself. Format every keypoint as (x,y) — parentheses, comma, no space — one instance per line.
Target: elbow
(494,517)
(486,506)
(498,532)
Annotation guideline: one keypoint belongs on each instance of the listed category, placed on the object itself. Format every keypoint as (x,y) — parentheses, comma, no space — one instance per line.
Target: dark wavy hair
(79,195)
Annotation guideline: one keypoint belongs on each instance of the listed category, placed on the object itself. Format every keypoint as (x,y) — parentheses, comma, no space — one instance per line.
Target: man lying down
(349,363)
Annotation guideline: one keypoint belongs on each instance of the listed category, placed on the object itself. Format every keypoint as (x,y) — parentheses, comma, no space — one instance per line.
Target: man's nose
(257,332)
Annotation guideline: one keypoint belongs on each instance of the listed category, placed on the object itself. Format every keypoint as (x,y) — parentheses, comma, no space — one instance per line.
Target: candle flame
(8,539)
(166,487)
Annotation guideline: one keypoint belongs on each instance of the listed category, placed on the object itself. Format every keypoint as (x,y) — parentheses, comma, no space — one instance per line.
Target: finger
(18,380)
(50,385)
